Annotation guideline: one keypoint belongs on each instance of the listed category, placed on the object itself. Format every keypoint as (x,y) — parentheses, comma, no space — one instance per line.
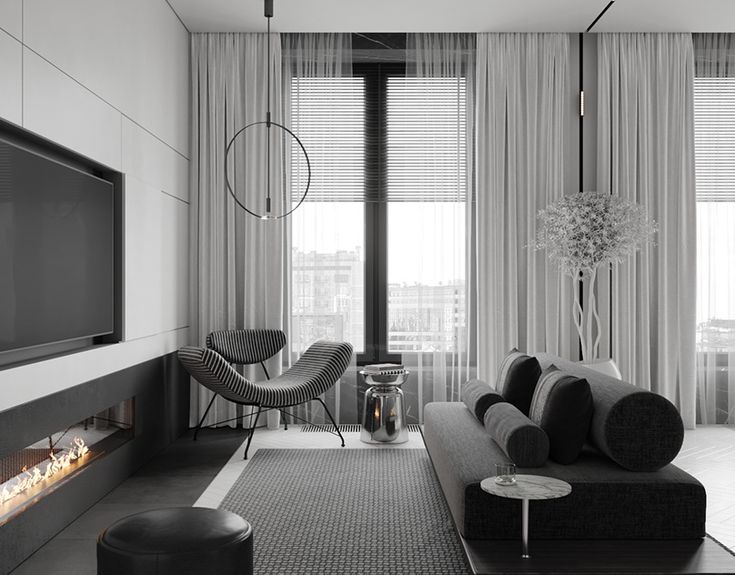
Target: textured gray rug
(346,511)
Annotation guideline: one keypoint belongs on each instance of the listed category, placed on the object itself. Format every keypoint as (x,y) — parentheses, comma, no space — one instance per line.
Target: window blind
(328,116)
(714,137)
(426,139)
(414,151)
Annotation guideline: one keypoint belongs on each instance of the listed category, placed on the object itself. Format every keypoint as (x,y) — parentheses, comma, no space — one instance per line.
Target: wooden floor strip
(592,557)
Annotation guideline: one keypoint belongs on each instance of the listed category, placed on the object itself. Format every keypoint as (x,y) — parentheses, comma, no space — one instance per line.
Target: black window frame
(376,76)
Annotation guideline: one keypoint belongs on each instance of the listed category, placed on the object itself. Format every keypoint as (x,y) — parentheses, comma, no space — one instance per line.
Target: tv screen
(56,251)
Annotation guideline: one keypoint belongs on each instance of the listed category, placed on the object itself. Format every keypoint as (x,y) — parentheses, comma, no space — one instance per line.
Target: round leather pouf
(179,540)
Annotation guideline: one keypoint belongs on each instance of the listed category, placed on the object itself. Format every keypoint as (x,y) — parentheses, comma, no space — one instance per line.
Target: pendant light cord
(268,121)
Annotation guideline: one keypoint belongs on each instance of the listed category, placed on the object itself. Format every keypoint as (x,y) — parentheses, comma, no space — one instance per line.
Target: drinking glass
(505,473)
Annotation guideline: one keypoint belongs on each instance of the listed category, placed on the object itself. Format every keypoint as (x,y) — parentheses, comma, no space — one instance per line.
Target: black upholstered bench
(178,540)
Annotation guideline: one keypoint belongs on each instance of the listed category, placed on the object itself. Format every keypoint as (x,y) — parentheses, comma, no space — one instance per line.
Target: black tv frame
(42,146)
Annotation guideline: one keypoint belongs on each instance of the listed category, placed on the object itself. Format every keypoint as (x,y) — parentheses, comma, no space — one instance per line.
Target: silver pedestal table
(384,413)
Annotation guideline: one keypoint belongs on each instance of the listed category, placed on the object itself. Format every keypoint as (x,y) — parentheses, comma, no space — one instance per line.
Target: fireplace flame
(28,479)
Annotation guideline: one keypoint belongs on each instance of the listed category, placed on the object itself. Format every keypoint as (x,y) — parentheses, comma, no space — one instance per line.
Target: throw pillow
(517,379)
(478,396)
(524,442)
(562,407)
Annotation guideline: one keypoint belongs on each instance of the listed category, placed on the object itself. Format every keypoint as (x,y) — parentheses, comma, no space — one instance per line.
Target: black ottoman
(179,540)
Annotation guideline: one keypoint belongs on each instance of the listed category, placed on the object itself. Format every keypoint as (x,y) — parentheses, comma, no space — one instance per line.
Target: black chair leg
(285,419)
(252,432)
(206,411)
(324,405)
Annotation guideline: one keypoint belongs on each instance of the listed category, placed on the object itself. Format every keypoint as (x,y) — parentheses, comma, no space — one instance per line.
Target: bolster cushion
(641,431)
(517,379)
(638,429)
(562,407)
(478,396)
(524,442)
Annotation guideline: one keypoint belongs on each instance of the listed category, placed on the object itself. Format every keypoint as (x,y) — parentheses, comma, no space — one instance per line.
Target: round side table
(384,413)
(526,488)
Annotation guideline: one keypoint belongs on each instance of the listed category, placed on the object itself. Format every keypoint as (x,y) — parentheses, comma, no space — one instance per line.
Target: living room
(415,222)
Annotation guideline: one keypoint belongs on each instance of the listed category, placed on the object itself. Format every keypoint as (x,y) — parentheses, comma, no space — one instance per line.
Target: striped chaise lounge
(316,371)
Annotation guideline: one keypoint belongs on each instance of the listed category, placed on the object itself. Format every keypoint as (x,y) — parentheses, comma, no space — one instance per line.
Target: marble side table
(526,488)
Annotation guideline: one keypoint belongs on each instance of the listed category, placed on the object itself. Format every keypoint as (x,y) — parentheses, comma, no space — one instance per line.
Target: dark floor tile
(101,516)
(163,489)
(212,449)
(62,557)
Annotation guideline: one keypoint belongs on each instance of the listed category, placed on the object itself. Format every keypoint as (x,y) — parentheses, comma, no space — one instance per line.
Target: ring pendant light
(269,124)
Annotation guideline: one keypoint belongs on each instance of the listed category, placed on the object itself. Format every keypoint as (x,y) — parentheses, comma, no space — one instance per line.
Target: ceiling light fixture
(269,124)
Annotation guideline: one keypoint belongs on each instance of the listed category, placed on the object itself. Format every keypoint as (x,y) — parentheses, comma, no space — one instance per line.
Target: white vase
(605,366)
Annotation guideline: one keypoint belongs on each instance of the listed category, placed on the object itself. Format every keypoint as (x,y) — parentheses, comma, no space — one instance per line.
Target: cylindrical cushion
(524,442)
(478,396)
(517,377)
(179,540)
(562,407)
(638,429)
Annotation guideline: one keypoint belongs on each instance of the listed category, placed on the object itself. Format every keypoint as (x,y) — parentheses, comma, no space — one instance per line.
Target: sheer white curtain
(325,108)
(523,95)
(430,198)
(646,154)
(714,126)
(237,261)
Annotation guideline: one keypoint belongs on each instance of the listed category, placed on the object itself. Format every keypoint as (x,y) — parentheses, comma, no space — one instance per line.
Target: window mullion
(376,217)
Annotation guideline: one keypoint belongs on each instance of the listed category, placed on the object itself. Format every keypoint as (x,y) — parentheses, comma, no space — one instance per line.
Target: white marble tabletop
(528,487)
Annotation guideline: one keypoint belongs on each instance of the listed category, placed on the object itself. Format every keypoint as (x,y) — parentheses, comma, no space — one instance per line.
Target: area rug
(346,511)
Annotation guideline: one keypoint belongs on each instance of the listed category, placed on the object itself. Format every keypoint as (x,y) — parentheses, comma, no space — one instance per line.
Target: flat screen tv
(56,251)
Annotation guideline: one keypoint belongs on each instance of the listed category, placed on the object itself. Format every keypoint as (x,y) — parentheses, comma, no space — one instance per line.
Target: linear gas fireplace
(33,472)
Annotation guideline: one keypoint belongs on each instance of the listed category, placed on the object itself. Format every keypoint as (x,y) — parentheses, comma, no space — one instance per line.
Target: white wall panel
(133,54)
(36,380)
(11,73)
(174,290)
(156,261)
(58,108)
(148,159)
(11,17)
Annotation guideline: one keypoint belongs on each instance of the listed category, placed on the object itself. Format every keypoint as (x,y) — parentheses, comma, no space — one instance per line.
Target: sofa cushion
(477,395)
(517,379)
(562,407)
(638,429)
(524,442)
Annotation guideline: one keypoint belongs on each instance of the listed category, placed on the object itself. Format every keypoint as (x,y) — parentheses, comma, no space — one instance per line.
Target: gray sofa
(607,500)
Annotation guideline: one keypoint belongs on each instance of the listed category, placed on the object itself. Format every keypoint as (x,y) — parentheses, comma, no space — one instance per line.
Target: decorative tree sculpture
(582,231)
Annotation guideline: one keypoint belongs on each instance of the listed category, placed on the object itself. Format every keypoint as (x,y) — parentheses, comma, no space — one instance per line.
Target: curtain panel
(522,105)
(317,90)
(238,262)
(438,119)
(714,101)
(645,153)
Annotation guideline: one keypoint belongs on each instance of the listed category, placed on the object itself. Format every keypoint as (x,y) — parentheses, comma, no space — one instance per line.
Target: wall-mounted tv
(56,251)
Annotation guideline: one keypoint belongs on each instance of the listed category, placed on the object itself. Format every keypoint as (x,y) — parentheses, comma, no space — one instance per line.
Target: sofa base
(607,501)
(701,556)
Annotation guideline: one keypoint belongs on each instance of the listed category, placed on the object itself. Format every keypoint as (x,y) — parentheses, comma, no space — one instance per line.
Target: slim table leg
(525,554)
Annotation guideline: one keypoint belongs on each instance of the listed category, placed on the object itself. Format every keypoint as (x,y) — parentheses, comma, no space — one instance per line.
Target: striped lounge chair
(316,371)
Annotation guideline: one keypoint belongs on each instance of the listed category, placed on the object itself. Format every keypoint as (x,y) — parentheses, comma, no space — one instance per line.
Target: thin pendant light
(269,124)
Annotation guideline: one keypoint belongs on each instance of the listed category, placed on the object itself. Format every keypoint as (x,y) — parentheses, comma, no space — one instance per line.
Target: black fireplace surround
(160,391)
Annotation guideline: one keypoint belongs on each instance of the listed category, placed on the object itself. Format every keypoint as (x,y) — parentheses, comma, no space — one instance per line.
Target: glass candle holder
(505,473)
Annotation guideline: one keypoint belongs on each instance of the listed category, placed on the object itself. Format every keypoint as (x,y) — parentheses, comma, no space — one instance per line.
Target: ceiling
(458,15)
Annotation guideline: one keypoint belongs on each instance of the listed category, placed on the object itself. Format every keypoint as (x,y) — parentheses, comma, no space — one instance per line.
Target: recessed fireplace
(34,471)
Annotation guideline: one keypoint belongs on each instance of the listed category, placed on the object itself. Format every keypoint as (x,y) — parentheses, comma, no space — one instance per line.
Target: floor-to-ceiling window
(378,247)
(714,110)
